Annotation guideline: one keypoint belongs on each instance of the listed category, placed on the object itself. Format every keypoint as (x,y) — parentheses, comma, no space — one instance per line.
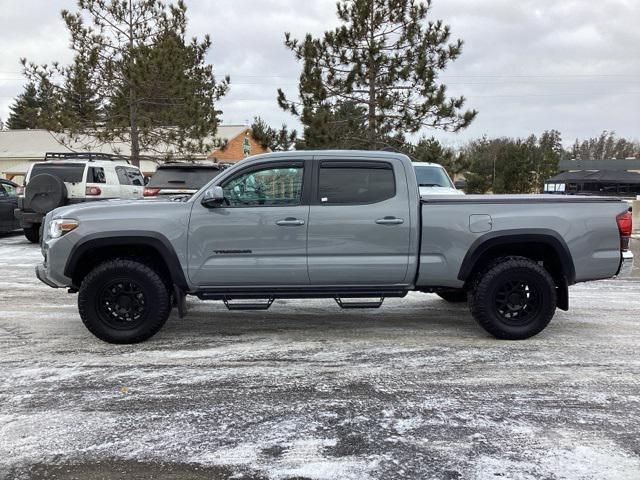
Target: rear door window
(96,175)
(353,183)
(67,172)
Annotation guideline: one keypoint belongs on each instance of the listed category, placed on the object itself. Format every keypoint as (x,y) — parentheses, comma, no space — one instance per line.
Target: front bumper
(41,273)
(626,264)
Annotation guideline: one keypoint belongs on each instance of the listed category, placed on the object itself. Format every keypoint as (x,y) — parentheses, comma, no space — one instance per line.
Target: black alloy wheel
(513,298)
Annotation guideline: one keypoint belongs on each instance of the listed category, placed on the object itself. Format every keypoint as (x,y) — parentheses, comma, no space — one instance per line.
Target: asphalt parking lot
(309,391)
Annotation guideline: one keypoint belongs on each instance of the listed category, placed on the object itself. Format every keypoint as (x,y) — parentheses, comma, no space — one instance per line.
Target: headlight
(59,227)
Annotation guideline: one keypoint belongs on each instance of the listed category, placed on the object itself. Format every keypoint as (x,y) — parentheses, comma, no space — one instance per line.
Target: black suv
(181,178)
(8,203)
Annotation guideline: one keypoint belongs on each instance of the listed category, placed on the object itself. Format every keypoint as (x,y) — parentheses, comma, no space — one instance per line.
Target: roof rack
(91,156)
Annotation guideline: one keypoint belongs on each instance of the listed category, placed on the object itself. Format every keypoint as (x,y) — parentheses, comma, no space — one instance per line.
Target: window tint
(67,172)
(3,192)
(96,175)
(268,187)
(123,178)
(352,184)
(135,177)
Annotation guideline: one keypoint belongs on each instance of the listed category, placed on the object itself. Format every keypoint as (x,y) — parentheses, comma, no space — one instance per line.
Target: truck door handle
(389,221)
(290,222)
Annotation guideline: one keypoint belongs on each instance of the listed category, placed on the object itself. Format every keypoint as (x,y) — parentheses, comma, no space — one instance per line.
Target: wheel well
(537,251)
(146,254)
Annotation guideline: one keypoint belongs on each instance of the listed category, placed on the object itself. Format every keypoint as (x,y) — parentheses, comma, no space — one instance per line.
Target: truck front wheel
(124,301)
(513,299)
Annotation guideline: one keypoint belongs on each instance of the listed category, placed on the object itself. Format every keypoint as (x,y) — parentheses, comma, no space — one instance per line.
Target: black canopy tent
(595,182)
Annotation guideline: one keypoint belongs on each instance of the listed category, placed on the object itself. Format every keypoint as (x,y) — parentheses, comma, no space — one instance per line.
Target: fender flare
(129,237)
(544,236)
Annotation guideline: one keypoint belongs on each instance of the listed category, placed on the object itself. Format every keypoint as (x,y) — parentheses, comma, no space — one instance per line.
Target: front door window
(276,186)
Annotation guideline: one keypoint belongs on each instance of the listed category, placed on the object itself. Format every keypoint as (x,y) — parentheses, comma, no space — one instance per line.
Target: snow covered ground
(309,391)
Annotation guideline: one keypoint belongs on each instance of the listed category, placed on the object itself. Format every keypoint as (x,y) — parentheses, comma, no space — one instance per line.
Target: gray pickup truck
(346,225)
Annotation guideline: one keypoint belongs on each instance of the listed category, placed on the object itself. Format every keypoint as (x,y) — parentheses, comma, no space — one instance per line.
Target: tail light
(624,227)
(150,192)
(93,191)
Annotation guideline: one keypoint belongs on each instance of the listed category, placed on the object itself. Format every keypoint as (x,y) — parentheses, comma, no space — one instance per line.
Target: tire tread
(161,302)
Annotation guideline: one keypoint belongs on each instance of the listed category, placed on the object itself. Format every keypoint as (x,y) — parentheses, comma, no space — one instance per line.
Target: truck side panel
(451,227)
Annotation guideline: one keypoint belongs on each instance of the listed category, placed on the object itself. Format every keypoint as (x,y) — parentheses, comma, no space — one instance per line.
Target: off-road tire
(487,296)
(32,233)
(97,304)
(453,296)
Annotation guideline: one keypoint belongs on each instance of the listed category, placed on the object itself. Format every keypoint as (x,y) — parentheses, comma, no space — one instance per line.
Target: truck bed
(453,227)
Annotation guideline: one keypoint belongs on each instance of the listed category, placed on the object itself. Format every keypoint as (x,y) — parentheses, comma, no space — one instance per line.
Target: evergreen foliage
(135,78)
(382,65)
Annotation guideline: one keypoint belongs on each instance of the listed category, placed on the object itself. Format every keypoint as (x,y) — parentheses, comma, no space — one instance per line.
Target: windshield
(67,172)
(432,176)
(192,178)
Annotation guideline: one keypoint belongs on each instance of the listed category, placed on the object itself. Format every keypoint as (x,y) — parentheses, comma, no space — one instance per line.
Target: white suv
(68,178)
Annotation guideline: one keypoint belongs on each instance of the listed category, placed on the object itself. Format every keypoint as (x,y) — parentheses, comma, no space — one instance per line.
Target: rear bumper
(27,218)
(626,264)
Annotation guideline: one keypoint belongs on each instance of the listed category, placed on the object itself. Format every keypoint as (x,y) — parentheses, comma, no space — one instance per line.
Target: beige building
(20,148)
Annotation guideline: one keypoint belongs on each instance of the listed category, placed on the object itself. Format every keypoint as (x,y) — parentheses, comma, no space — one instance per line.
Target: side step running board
(374,304)
(248,305)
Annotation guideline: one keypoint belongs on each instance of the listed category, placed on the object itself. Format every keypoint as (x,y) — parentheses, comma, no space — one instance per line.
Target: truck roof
(339,154)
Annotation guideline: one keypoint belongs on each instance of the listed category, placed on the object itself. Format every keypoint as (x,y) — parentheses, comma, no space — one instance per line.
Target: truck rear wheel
(124,301)
(32,233)
(513,299)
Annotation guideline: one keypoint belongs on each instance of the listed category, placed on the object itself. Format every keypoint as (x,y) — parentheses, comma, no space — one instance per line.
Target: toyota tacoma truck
(346,225)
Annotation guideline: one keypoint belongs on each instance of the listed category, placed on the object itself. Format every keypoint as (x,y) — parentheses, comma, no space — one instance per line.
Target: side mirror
(146,180)
(213,197)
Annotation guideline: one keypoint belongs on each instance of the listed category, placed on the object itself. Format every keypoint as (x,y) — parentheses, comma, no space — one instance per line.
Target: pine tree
(275,140)
(153,85)
(80,103)
(384,62)
(339,126)
(25,110)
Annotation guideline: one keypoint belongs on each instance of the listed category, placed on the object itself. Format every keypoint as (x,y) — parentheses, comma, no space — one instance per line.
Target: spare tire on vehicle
(44,192)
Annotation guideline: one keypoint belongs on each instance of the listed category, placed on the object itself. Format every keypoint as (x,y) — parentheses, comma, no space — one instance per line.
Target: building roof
(18,144)
(608,164)
(598,176)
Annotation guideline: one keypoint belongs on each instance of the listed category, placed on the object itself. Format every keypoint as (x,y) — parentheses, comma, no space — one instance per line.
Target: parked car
(8,203)
(433,179)
(70,178)
(181,178)
(342,225)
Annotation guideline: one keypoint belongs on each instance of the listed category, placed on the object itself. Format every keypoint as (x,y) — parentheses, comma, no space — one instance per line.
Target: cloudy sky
(527,65)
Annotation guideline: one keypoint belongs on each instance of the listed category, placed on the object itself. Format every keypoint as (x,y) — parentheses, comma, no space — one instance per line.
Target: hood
(106,205)
(440,191)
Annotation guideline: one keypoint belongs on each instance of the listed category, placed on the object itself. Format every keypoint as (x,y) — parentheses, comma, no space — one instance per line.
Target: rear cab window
(67,172)
(355,183)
